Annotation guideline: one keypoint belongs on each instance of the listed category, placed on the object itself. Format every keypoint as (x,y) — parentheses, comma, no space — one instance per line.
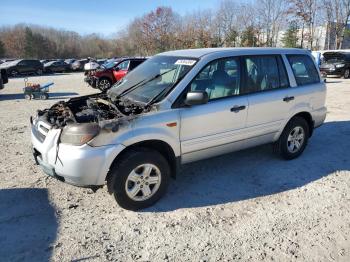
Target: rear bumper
(319,116)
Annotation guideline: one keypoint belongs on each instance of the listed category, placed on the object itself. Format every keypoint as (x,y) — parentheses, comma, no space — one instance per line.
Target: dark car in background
(111,72)
(3,78)
(55,67)
(70,62)
(23,67)
(336,63)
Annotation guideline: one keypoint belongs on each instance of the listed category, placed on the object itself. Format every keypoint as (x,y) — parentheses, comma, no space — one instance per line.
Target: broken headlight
(79,134)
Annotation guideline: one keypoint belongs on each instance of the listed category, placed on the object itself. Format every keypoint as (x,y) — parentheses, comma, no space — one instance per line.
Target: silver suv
(178,107)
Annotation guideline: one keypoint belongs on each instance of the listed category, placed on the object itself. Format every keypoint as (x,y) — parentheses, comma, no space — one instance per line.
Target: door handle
(288,98)
(236,109)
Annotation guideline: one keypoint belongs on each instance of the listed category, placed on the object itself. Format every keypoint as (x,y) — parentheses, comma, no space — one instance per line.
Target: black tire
(281,146)
(120,171)
(44,96)
(346,73)
(104,84)
(39,72)
(27,96)
(14,73)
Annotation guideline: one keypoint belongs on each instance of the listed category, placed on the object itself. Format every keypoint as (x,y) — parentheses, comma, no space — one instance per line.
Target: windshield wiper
(164,91)
(143,82)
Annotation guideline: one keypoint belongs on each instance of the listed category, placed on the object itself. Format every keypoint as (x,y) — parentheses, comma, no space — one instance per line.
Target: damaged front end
(82,118)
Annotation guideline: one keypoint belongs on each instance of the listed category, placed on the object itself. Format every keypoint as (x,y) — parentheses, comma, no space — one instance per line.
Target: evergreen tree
(248,38)
(290,37)
(29,43)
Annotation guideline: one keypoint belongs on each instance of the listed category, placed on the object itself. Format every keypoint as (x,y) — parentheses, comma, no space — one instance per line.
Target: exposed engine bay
(98,108)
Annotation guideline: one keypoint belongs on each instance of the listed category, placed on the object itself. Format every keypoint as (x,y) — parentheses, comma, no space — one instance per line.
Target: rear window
(304,69)
(264,72)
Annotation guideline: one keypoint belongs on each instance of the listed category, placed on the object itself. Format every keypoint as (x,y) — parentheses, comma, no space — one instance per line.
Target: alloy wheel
(295,139)
(104,84)
(143,182)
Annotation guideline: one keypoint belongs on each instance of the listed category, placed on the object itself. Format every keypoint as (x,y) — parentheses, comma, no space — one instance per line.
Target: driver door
(216,127)
(121,70)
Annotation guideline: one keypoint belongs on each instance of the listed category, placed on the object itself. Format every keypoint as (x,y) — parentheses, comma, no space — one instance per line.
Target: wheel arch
(105,77)
(308,118)
(161,146)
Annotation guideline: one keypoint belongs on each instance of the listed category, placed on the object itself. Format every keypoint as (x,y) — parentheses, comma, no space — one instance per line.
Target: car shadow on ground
(52,95)
(257,172)
(28,226)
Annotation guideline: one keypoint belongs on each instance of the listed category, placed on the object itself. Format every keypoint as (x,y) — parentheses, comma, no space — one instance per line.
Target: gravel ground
(250,205)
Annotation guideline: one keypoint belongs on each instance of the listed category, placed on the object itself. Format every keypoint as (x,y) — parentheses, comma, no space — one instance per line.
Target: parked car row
(15,67)
(23,66)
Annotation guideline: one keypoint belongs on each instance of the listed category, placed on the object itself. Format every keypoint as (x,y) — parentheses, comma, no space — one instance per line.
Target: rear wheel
(44,96)
(293,139)
(139,178)
(27,96)
(347,73)
(104,84)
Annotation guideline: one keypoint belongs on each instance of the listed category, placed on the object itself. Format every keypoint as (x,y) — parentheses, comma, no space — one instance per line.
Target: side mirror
(196,98)
(117,68)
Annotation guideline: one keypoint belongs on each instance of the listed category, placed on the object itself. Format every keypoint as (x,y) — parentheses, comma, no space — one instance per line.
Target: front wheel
(293,139)
(347,73)
(39,72)
(139,178)
(14,73)
(104,84)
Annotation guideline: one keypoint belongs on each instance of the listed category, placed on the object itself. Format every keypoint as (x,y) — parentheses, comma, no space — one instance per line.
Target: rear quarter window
(304,69)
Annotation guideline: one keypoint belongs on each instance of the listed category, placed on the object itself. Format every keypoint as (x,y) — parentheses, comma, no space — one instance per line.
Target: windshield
(155,76)
(109,64)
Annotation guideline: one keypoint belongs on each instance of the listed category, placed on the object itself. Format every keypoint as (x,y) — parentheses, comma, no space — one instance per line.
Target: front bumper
(332,71)
(77,165)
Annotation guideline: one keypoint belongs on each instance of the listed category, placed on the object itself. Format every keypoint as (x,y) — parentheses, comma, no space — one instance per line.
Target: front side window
(23,63)
(134,63)
(220,78)
(304,69)
(263,73)
(124,65)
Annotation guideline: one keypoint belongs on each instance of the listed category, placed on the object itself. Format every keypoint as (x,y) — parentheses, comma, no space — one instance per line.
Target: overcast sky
(89,16)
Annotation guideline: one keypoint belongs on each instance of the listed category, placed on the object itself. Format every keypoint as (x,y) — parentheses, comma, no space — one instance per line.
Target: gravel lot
(250,205)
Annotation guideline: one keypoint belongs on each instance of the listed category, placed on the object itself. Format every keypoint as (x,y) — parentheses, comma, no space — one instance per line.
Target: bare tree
(271,14)
(225,23)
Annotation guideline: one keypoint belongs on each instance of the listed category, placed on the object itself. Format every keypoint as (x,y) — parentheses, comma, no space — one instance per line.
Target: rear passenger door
(269,95)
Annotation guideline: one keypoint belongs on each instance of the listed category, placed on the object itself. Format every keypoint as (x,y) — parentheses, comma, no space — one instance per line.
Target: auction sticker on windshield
(187,62)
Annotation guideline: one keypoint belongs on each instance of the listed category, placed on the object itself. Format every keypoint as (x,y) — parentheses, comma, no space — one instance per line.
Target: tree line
(232,23)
